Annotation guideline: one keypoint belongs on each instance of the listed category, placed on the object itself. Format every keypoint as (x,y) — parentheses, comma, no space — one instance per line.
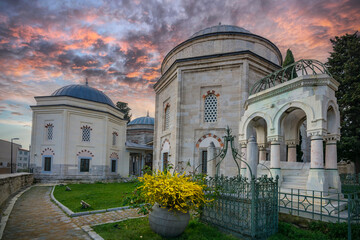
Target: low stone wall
(11,183)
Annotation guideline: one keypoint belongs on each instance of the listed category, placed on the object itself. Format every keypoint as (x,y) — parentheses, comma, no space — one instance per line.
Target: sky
(119,45)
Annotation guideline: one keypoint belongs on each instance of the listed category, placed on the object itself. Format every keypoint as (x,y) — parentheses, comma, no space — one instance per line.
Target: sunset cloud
(119,45)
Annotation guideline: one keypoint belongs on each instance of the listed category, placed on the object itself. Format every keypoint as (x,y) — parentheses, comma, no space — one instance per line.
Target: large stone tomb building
(78,134)
(206,85)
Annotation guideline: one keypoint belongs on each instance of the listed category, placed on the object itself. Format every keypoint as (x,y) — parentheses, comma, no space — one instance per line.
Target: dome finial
(86,82)
(147,114)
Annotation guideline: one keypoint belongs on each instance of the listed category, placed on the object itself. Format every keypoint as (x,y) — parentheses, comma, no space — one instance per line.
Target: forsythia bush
(174,191)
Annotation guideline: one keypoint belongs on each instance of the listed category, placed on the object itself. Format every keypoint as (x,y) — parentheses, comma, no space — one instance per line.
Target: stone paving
(34,216)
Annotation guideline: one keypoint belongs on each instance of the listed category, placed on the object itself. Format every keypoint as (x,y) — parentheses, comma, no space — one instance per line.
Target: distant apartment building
(23,158)
(5,156)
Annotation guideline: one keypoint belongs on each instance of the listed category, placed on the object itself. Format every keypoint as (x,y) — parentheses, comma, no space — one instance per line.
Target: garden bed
(98,195)
(139,228)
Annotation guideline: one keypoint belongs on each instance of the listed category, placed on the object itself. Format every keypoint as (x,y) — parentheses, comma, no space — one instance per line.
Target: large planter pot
(168,223)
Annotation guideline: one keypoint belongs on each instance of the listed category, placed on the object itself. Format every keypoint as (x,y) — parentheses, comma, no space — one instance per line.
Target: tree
(124,108)
(344,65)
(289,59)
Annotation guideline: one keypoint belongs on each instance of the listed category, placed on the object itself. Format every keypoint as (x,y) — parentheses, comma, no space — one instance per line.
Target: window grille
(113,165)
(84,164)
(47,164)
(210,108)
(167,117)
(50,131)
(86,134)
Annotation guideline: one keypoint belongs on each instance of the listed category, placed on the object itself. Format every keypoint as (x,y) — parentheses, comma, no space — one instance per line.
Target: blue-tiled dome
(84,92)
(142,121)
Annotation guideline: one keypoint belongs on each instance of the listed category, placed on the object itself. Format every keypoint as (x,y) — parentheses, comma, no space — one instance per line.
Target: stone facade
(5,156)
(222,64)
(70,156)
(139,144)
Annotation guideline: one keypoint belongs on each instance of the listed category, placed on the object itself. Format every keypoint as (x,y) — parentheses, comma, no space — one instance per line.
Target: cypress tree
(289,59)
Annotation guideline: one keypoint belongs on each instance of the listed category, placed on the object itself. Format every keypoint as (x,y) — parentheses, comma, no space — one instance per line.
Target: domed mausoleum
(204,84)
(78,135)
(139,144)
(280,117)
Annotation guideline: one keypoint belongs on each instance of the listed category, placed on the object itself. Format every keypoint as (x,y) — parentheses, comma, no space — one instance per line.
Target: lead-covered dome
(219,29)
(84,92)
(142,121)
(222,40)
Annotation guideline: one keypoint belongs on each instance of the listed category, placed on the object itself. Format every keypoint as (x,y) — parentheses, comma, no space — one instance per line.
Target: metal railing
(350,179)
(301,67)
(323,206)
(246,208)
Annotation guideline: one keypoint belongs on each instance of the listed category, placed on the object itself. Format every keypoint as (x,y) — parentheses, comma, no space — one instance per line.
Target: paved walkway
(34,216)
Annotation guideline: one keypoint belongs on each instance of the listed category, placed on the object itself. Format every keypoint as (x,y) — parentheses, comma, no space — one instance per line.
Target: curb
(8,210)
(93,235)
(78,214)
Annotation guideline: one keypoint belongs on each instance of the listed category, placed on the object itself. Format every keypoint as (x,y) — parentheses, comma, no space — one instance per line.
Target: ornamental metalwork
(244,207)
(299,68)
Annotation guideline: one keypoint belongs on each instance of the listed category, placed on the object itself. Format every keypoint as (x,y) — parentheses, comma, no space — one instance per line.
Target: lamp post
(11,154)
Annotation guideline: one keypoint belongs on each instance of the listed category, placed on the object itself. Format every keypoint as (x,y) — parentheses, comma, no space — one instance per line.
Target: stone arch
(114,155)
(48,152)
(217,140)
(332,118)
(309,112)
(164,144)
(244,133)
(85,153)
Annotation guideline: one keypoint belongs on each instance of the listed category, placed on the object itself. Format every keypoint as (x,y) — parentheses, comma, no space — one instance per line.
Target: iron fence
(350,179)
(323,206)
(248,209)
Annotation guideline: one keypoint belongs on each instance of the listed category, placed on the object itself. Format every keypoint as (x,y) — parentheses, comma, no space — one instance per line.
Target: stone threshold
(72,214)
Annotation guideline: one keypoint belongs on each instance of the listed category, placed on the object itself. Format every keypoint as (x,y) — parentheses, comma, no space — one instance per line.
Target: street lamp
(11,165)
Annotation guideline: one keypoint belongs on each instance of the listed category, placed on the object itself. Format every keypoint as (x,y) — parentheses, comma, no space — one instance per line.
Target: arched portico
(303,105)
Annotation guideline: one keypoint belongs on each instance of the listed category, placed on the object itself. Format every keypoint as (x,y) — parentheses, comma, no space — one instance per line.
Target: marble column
(262,152)
(331,169)
(253,157)
(275,158)
(211,161)
(243,145)
(317,180)
(291,147)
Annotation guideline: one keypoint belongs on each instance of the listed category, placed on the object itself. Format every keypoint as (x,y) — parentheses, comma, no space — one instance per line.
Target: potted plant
(170,196)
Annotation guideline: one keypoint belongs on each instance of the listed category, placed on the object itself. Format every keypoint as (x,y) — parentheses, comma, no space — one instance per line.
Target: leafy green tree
(289,59)
(124,108)
(344,65)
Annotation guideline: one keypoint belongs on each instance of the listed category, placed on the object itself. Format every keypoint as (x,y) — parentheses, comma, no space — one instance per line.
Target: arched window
(210,108)
(114,134)
(167,117)
(86,130)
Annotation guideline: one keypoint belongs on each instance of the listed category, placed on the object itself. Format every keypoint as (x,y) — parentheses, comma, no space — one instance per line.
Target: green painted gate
(244,207)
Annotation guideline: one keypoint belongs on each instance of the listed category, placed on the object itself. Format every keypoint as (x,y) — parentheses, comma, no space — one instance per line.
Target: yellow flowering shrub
(174,191)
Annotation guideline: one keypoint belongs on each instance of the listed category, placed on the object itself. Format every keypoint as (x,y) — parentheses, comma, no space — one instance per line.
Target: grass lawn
(139,229)
(98,195)
(317,230)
